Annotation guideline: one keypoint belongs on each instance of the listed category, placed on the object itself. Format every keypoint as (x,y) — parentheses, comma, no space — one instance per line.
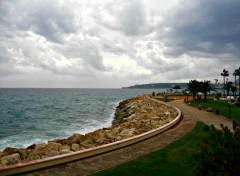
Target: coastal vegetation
(227,107)
(220,107)
(216,155)
(219,154)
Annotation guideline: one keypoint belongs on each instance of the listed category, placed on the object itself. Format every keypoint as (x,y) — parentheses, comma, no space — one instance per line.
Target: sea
(33,116)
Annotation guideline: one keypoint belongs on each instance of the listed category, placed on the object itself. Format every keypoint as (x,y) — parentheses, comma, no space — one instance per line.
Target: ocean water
(30,116)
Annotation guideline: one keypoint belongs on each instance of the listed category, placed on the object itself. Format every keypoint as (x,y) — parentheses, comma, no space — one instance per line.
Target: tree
(233,89)
(224,74)
(205,88)
(237,73)
(177,87)
(235,76)
(229,86)
(194,87)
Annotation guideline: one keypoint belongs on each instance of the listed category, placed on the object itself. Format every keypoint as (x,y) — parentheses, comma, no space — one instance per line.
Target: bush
(219,154)
(238,102)
(218,96)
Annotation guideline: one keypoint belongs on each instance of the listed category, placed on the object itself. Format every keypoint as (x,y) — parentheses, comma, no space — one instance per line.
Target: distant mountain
(157,86)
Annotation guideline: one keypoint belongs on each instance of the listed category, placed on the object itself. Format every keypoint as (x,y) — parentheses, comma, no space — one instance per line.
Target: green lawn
(221,106)
(175,159)
(164,100)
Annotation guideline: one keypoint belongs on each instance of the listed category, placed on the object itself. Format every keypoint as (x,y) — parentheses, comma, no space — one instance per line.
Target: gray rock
(11,159)
(75,147)
(52,153)
(40,146)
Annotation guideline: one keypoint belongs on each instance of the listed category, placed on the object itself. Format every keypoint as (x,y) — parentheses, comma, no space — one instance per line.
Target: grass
(221,106)
(176,158)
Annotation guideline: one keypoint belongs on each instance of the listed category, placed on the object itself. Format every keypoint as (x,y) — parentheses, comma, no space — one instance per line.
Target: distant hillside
(157,86)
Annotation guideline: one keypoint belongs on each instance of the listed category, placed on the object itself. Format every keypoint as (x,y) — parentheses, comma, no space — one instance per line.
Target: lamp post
(199,97)
(199,100)
(229,108)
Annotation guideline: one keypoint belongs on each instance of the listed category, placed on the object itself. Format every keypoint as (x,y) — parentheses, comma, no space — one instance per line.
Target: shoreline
(133,116)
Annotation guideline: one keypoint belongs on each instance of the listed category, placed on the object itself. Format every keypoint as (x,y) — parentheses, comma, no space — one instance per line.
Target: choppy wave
(38,115)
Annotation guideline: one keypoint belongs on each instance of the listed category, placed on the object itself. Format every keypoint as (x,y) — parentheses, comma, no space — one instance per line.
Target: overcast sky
(116,43)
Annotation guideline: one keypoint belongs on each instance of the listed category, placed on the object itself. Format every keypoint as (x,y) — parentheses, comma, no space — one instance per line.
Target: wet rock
(32,146)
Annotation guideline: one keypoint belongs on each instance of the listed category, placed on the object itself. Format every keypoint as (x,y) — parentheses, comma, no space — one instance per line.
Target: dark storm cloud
(51,20)
(206,26)
(46,18)
(115,40)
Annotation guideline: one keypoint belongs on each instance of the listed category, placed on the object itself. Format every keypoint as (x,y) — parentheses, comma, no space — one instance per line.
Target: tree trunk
(205,96)
(239,85)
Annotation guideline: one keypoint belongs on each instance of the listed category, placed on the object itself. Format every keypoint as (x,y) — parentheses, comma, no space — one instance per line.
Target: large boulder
(75,147)
(65,149)
(126,133)
(10,159)
(8,151)
(75,138)
(40,146)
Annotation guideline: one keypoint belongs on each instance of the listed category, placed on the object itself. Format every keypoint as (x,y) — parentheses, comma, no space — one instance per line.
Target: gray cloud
(47,18)
(204,26)
(131,17)
(116,42)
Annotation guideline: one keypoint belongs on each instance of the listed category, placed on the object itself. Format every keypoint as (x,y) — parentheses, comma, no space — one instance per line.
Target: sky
(116,43)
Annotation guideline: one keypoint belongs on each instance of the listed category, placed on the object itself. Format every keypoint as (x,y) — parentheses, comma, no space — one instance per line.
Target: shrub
(218,96)
(238,102)
(219,154)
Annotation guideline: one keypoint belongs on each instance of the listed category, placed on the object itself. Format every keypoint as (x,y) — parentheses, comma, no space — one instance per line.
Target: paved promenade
(101,162)
(208,118)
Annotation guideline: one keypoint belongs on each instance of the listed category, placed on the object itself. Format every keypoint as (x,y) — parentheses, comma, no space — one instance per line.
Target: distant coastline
(157,86)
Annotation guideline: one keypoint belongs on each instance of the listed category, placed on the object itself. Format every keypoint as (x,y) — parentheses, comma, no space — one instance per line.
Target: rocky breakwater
(132,117)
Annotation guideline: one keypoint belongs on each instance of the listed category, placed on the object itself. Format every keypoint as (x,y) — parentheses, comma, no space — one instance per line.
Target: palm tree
(206,87)
(233,89)
(235,76)
(194,87)
(237,73)
(224,74)
(229,86)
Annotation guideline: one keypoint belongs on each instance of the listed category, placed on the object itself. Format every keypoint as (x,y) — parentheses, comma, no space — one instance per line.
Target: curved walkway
(208,118)
(107,160)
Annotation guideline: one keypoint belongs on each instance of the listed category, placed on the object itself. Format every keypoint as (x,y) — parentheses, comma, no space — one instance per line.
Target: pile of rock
(133,117)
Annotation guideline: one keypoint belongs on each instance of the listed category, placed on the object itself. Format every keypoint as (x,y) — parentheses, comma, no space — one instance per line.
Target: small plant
(238,102)
(218,96)
(219,154)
